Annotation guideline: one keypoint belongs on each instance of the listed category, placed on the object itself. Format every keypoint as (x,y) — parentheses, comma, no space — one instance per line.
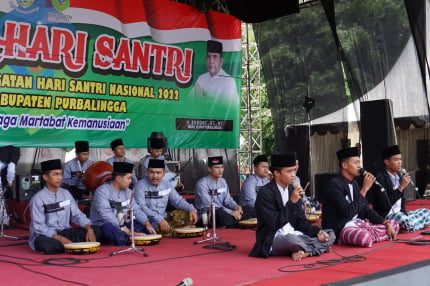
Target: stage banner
(98,70)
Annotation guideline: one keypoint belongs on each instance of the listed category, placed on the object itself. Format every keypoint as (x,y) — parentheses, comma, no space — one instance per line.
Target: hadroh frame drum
(97,174)
(82,247)
(248,223)
(148,239)
(186,232)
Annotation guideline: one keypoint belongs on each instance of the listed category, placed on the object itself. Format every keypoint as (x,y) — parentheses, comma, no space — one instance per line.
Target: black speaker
(320,185)
(26,186)
(259,11)
(377,132)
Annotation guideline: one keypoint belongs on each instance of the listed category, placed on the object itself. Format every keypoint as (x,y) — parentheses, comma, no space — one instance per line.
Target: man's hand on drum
(149,227)
(193,216)
(61,239)
(90,236)
(164,226)
(237,213)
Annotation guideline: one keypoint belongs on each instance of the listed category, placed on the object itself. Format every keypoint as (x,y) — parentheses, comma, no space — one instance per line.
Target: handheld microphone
(297,185)
(403,172)
(363,172)
(186,282)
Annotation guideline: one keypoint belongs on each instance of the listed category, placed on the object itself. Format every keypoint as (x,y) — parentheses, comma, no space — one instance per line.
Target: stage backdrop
(102,69)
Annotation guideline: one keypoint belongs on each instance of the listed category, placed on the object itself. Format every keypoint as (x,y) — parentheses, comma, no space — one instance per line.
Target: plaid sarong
(363,233)
(412,220)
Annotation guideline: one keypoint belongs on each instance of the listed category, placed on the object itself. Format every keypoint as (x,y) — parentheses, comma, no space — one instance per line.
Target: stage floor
(174,259)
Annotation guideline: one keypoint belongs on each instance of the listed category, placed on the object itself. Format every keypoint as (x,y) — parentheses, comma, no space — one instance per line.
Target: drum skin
(82,247)
(186,232)
(150,239)
(97,174)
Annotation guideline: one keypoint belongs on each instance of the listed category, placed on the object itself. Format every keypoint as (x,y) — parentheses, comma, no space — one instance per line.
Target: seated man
(153,194)
(111,204)
(391,203)
(52,209)
(156,148)
(9,157)
(118,150)
(252,184)
(228,212)
(282,226)
(345,208)
(75,169)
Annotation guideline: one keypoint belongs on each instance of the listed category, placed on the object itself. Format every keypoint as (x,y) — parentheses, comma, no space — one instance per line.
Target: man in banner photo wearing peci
(216,83)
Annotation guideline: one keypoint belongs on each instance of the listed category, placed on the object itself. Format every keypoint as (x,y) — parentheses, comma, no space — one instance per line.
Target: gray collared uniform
(153,199)
(222,200)
(250,187)
(52,212)
(74,166)
(143,166)
(113,159)
(110,205)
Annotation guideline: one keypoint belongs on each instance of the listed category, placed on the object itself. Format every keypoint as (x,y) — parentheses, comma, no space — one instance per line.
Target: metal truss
(251,137)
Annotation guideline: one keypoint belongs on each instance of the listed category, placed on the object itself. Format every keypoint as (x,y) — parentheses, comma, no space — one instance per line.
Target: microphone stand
(2,211)
(217,243)
(132,247)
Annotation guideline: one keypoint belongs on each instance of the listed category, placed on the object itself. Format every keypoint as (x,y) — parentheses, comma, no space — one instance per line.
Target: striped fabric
(413,220)
(165,21)
(363,233)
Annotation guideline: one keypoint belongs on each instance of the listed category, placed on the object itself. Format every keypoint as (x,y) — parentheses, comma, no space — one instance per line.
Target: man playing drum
(252,184)
(153,194)
(74,170)
(228,212)
(118,150)
(111,203)
(52,209)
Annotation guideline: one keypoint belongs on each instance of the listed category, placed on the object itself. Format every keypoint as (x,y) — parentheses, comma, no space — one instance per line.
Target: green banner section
(67,82)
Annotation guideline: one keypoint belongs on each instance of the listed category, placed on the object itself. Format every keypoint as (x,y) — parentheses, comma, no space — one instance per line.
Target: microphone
(403,172)
(297,185)
(363,172)
(205,216)
(186,282)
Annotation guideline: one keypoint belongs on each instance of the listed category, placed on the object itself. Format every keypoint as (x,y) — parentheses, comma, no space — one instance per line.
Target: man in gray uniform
(118,150)
(52,209)
(156,149)
(153,194)
(111,204)
(227,212)
(252,184)
(75,169)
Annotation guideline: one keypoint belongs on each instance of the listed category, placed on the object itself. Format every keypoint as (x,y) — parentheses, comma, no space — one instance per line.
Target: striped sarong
(363,233)
(412,220)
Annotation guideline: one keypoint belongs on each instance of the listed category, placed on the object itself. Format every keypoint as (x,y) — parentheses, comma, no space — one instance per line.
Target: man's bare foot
(299,255)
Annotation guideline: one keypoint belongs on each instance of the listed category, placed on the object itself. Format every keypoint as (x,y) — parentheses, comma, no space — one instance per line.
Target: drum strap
(55,207)
(157,194)
(116,205)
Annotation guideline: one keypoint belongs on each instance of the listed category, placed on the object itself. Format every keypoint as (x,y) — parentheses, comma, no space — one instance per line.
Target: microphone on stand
(186,282)
(363,172)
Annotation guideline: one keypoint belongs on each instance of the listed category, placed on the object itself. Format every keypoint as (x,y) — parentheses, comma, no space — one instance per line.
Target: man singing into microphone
(346,210)
(391,203)
(282,228)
